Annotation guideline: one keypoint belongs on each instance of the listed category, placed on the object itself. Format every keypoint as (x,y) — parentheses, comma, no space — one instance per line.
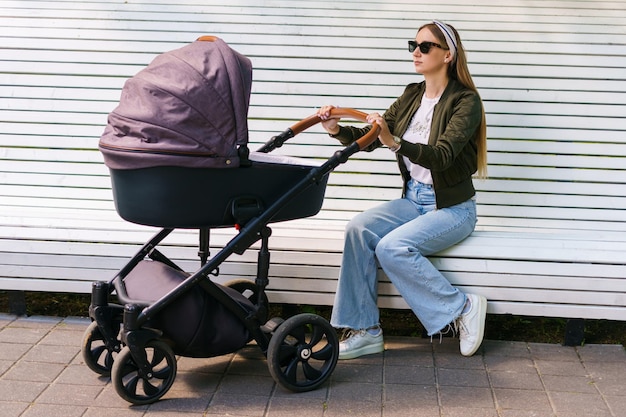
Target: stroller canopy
(188,107)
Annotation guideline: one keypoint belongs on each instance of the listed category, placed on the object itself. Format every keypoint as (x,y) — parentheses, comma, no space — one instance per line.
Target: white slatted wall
(551,73)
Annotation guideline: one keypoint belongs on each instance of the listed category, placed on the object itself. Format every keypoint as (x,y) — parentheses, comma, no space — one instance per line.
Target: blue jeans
(398,236)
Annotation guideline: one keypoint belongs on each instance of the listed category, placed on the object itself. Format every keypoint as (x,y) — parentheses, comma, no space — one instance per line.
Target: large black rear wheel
(251,291)
(303,352)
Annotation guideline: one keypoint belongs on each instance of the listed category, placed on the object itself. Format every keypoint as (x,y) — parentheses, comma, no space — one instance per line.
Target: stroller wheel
(303,352)
(96,355)
(134,386)
(249,290)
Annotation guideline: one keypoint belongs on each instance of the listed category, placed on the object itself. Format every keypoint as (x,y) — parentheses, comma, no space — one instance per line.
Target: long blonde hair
(459,71)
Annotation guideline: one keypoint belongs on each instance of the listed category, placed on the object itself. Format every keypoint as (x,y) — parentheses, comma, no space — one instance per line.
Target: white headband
(450,38)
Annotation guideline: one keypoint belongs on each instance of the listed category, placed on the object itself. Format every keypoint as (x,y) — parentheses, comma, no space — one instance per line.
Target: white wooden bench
(551,236)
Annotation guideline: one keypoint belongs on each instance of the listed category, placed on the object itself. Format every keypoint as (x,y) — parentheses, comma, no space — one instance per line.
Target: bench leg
(17,303)
(574,332)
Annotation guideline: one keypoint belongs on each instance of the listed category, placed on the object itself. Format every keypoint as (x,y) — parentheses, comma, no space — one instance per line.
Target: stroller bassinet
(176,147)
(180,197)
(176,140)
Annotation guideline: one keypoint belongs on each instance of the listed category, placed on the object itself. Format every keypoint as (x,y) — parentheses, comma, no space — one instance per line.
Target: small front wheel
(97,356)
(303,352)
(141,388)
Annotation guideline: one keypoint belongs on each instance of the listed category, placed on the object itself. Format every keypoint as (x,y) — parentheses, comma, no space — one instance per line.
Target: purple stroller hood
(189,107)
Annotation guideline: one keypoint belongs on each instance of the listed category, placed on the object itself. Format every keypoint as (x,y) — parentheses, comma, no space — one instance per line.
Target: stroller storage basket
(180,197)
(208,328)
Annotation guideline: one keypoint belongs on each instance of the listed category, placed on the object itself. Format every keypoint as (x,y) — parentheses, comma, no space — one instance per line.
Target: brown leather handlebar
(362,142)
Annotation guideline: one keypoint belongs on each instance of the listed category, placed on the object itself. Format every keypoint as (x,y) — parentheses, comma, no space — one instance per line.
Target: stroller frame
(137,353)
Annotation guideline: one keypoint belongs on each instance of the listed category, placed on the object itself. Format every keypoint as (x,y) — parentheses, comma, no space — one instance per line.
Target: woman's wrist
(397,143)
(387,140)
(336,133)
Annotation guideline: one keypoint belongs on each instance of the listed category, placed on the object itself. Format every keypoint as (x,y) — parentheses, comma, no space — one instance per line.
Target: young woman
(437,130)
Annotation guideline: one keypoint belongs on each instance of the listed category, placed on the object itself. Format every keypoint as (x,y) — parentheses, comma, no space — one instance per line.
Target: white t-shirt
(418,132)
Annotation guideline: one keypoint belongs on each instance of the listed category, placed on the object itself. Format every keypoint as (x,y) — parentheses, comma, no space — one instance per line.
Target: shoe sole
(365,350)
(482,312)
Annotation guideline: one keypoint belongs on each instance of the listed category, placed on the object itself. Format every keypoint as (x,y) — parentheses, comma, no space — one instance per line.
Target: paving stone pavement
(42,374)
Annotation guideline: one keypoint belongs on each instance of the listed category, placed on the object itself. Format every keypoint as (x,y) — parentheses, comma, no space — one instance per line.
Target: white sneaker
(360,342)
(471,325)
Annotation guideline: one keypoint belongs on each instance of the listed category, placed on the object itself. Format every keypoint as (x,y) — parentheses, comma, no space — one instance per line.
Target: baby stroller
(176,148)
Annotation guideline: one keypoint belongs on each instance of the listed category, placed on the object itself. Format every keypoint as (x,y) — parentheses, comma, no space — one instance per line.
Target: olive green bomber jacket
(451,153)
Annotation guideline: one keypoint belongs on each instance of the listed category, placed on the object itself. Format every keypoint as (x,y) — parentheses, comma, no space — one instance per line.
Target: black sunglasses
(424,46)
